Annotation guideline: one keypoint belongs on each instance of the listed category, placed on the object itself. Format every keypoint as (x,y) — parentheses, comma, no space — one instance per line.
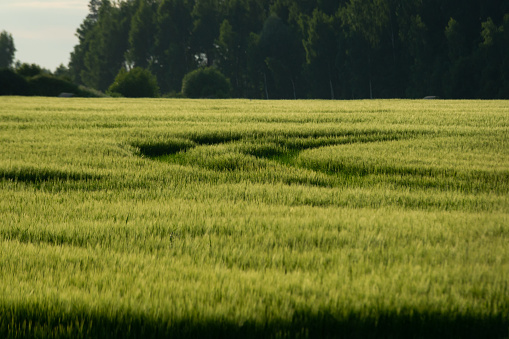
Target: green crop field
(237,218)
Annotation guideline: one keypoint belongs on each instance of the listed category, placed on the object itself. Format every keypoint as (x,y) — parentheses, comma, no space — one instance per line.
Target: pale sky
(43,30)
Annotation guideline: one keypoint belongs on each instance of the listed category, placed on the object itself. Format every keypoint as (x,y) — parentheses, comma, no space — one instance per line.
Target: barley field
(237,218)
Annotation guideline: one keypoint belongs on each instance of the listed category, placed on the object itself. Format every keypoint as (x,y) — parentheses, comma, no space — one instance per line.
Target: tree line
(286,49)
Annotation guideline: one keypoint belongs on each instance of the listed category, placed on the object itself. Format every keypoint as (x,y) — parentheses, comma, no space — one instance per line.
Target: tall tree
(142,34)
(489,51)
(107,47)
(321,46)
(77,59)
(227,50)
(242,17)
(366,21)
(460,79)
(93,7)
(173,57)
(282,53)
(504,50)
(493,51)
(256,69)
(7,50)
(206,21)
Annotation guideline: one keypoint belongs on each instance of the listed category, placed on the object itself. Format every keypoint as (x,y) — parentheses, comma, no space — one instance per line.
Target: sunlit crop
(239,218)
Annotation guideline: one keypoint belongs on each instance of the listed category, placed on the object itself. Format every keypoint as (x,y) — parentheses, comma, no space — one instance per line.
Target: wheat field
(142,218)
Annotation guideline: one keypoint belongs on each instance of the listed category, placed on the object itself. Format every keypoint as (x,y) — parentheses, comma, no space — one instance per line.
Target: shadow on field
(38,323)
(38,175)
(269,145)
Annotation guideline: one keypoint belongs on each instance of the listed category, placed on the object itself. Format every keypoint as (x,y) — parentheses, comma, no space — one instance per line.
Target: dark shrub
(87,92)
(49,86)
(12,83)
(29,70)
(206,83)
(137,83)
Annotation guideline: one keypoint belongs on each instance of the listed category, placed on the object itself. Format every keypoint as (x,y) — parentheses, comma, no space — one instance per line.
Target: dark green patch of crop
(39,175)
(36,321)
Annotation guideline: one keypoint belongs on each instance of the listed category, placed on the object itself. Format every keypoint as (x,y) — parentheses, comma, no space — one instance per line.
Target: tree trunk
(370,76)
(392,38)
(330,82)
(265,83)
(294,94)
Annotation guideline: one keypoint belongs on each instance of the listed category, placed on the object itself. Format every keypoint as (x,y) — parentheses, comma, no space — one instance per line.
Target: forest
(303,49)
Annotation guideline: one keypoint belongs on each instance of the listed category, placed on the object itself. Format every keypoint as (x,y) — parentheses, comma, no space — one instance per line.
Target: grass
(236,218)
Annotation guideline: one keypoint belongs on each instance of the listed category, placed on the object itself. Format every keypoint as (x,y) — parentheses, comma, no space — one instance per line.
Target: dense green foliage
(32,80)
(12,83)
(7,50)
(135,83)
(304,48)
(237,218)
(47,85)
(30,70)
(206,83)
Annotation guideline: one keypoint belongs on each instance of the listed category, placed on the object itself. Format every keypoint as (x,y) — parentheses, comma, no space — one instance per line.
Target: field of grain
(237,218)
